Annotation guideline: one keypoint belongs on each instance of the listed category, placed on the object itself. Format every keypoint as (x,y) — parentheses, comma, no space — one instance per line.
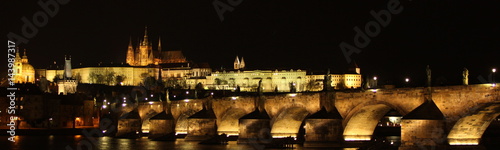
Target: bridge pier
(162,127)
(255,128)
(202,125)
(129,125)
(423,127)
(323,129)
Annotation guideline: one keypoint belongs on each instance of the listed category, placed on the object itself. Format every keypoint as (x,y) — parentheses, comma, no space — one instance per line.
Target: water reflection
(109,143)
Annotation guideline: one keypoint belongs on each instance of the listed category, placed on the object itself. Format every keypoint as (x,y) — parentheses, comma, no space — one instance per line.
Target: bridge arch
(468,130)
(360,123)
(181,124)
(229,121)
(288,122)
(146,111)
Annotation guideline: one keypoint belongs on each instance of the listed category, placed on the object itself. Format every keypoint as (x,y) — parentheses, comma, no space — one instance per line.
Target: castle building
(141,61)
(144,54)
(24,72)
(276,80)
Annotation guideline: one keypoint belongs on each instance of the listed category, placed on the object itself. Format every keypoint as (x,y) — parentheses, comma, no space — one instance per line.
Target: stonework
(358,114)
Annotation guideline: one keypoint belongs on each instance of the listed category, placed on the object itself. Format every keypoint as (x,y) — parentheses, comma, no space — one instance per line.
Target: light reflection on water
(109,143)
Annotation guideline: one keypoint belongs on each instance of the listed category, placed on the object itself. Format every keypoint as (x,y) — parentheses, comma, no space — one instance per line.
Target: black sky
(447,35)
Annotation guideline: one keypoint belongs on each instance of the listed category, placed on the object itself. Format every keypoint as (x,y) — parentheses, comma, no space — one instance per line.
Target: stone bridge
(451,115)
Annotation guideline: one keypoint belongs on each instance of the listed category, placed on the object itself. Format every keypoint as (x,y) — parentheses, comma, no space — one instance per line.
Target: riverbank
(43,131)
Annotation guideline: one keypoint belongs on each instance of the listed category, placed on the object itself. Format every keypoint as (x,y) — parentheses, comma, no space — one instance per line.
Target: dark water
(109,143)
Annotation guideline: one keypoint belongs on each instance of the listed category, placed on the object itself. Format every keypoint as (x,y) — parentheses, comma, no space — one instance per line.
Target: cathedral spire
(159,43)
(130,53)
(145,40)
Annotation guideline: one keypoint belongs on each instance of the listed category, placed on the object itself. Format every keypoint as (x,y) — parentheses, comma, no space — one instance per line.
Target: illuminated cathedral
(143,54)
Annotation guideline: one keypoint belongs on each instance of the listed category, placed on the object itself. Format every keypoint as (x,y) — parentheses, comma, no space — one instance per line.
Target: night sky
(447,35)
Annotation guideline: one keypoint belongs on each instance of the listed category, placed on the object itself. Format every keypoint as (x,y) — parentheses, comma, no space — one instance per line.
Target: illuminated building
(275,80)
(144,54)
(24,72)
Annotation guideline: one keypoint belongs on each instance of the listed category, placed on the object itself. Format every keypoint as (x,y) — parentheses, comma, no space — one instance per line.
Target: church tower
(67,85)
(24,72)
(67,68)
(130,53)
(242,63)
(145,50)
(236,63)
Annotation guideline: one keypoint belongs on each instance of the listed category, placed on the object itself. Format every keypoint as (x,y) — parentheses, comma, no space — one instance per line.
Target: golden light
(234,98)
(77,118)
(177,133)
(463,141)
(292,94)
(357,137)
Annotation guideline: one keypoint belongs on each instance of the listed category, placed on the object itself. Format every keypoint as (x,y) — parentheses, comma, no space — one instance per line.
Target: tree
(109,77)
(292,87)
(199,87)
(56,78)
(312,85)
(119,79)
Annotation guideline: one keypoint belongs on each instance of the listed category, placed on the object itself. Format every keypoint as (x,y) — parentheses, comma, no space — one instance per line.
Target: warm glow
(374,78)
(494,70)
(186,100)
(407,79)
(234,98)
(150,102)
(463,141)
(292,94)
(177,133)
(357,138)
(77,118)
(104,106)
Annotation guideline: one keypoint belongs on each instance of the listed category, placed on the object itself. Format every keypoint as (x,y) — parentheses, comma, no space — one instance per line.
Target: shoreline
(43,131)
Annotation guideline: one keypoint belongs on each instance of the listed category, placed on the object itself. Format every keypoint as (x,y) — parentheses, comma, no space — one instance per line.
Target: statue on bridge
(465,75)
(327,81)
(428,76)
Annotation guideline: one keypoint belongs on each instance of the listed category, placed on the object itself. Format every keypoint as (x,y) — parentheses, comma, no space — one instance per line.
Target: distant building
(24,72)
(144,54)
(275,80)
(67,84)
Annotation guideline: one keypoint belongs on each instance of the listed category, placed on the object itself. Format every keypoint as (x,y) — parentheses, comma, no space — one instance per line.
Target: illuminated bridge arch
(181,125)
(362,120)
(288,122)
(469,129)
(229,121)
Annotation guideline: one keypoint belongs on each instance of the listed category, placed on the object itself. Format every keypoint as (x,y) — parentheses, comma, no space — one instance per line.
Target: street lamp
(494,70)
(375,82)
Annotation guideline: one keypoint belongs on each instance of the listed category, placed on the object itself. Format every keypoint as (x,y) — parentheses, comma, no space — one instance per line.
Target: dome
(28,67)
